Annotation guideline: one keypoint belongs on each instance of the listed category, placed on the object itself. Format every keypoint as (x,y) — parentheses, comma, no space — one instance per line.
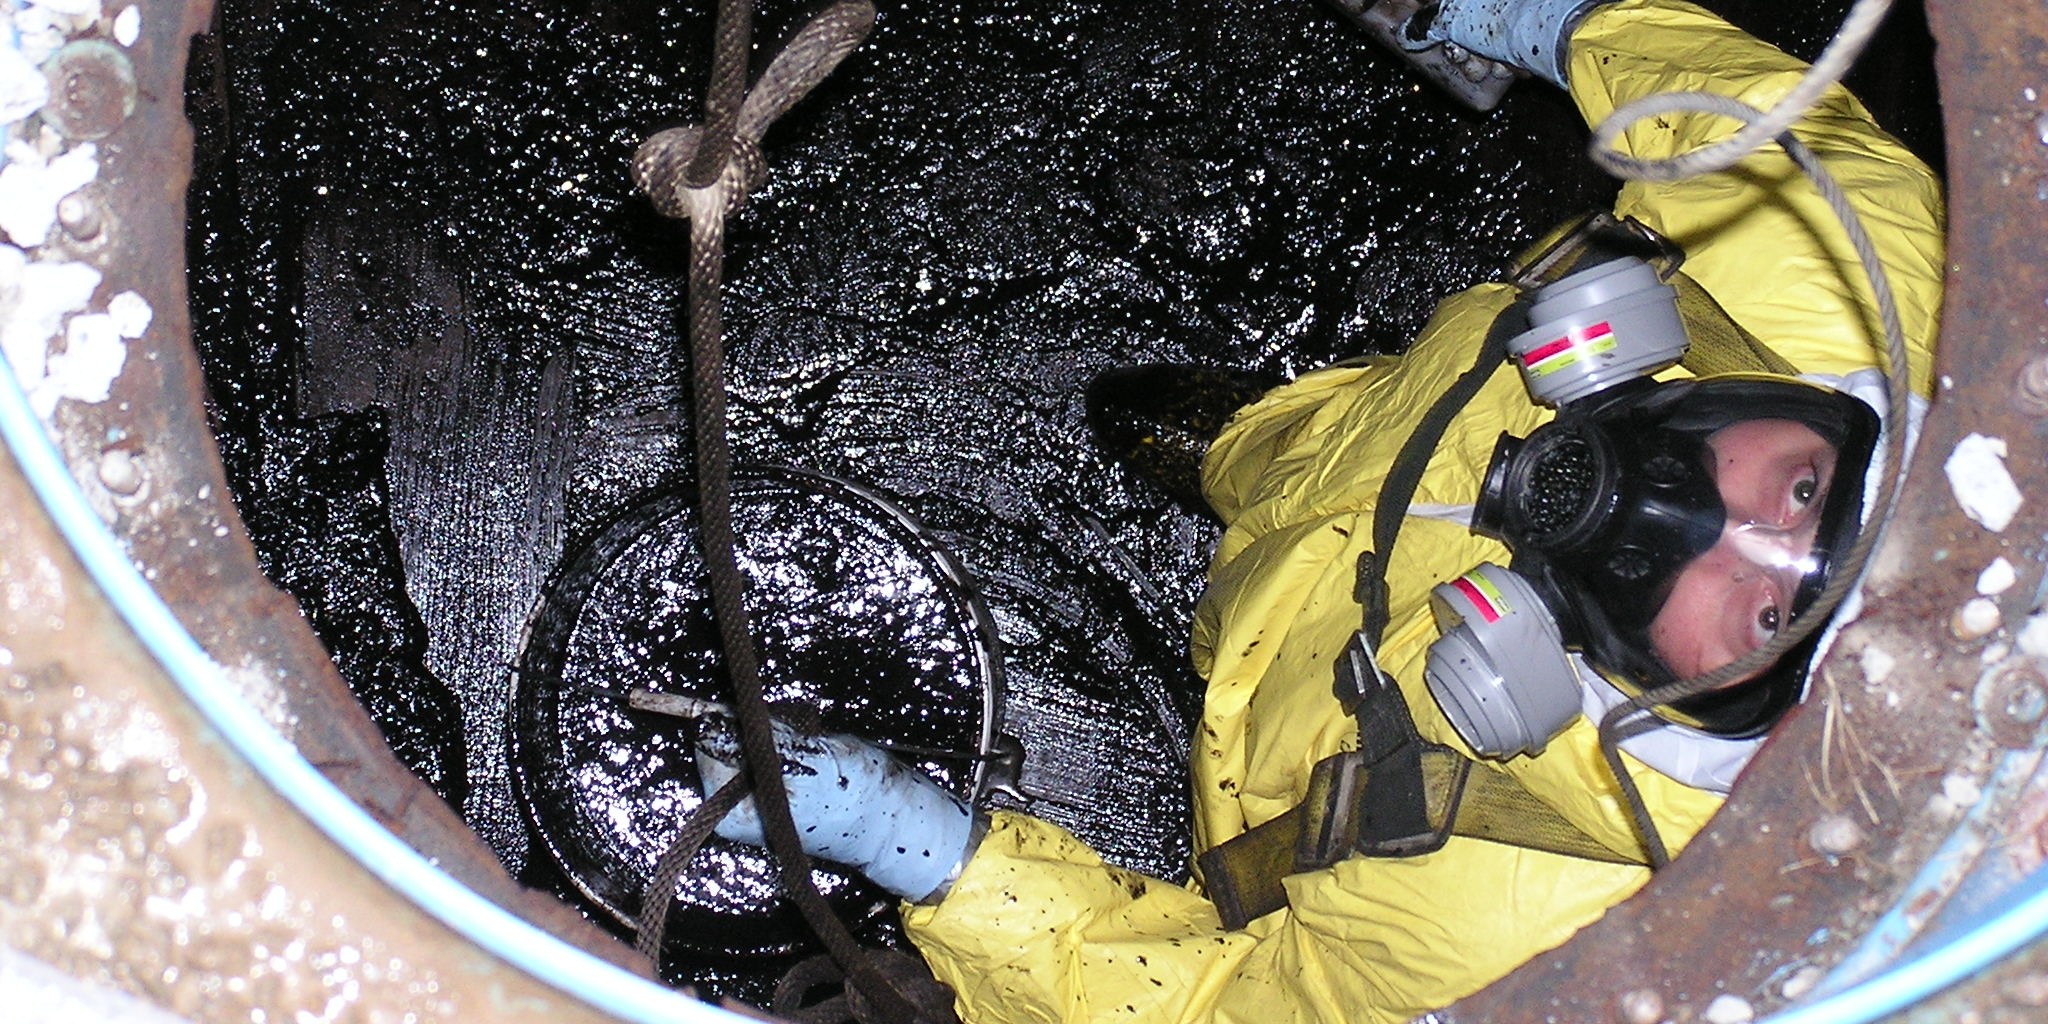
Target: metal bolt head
(1977,618)
(1836,835)
(92,90)
(2030,390)
(2025,703)
(81,216)
(2011,701)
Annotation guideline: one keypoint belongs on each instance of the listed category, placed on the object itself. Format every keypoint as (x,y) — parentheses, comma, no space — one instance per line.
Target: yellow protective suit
(1038,928)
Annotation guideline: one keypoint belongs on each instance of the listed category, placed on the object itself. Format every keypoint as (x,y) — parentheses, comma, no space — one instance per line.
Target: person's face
(1773,476)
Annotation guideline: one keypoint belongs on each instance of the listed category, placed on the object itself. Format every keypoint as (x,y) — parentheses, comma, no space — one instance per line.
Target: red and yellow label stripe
(1485,597)
(1579,344)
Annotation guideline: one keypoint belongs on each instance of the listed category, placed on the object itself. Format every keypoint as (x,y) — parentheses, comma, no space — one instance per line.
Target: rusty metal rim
(483,922)
(491,927)
(1900,985)
(1981,941)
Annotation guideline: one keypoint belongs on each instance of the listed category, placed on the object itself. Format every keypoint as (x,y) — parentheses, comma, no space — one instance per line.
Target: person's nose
(1783,555)
(1768,546)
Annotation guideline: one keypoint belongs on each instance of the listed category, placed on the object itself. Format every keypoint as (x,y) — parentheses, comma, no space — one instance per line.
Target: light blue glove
(1529,34)
(852,804)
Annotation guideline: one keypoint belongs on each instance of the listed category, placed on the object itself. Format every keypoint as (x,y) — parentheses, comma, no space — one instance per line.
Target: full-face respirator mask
(1658,530)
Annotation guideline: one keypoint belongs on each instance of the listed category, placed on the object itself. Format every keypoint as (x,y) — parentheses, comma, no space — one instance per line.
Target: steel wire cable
(1825,73)
(1758,130)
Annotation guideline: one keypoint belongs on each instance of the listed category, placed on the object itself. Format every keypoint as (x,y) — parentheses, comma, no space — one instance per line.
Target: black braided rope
(728,91)
(1398,491)
(652,924)
(877,995)
(728,586)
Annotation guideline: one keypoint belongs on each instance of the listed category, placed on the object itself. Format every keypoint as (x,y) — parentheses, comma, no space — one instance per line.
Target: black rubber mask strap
(1409,463)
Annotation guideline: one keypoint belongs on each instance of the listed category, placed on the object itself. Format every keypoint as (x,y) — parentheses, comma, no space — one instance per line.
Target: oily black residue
(860,618)
(443,336)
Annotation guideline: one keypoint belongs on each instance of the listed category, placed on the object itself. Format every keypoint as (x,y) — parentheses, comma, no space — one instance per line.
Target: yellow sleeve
(1759,237)
(1039,930)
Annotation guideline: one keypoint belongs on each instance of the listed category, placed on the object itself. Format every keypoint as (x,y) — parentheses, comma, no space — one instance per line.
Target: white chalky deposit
(1997,578)
(23,89)
(1982,485)
(37,298)
(128,26)
(2033,638)
(31,185)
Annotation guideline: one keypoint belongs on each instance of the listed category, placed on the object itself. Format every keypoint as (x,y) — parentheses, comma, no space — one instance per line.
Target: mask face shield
(1676,527)
(1771,560)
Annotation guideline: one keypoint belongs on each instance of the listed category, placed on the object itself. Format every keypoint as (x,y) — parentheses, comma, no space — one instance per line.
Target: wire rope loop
(1759,128)
(1862,23)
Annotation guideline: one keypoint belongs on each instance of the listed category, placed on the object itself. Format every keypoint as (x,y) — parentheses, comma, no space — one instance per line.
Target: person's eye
(1805,489)
(1767,623)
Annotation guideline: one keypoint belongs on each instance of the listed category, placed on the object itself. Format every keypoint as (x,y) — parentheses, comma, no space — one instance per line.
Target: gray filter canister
(1499,671)
(1597,328)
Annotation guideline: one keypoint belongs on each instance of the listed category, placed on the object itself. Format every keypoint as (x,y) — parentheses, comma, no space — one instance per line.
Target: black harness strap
(1376,800)
(1398,492)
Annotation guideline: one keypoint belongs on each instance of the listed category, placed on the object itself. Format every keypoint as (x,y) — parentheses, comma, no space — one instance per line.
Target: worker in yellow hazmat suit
(1026,923)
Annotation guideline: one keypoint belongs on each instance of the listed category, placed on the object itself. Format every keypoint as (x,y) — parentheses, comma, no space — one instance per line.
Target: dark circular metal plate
(856,612)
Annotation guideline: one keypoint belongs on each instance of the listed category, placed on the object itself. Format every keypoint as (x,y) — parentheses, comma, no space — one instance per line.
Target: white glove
(853,804)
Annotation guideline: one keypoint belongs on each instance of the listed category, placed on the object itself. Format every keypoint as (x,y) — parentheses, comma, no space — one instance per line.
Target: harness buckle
(1359,675)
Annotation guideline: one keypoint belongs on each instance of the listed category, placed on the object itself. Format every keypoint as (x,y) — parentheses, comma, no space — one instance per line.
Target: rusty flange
(1777,888)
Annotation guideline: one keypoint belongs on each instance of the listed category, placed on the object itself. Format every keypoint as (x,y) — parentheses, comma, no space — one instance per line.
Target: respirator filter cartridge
(1598,327)
(1494,627)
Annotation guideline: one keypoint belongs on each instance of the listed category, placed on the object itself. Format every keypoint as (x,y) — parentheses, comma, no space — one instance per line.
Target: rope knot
(661,169)
(661,166)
